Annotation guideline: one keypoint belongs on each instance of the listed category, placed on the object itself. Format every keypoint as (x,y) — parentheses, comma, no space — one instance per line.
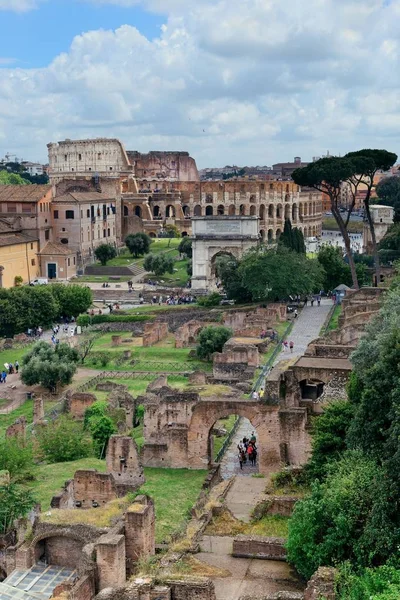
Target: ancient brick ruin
(154,333)
(236,362)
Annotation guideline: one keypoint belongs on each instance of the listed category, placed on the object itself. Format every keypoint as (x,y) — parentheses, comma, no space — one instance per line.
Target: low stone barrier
(275,505)
(256,546)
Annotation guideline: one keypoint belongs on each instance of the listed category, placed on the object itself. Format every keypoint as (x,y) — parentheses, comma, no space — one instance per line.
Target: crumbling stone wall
(186,335)
(321,585)
(236,362)
(154,333)
(139,531)
(256,546)
(251,323)
(123,463)
(17,428)
(87,487)
(78,402)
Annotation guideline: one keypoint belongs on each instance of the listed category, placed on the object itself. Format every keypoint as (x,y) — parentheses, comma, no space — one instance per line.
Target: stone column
(139,531)
(38,409)
(110,559)
(116,340)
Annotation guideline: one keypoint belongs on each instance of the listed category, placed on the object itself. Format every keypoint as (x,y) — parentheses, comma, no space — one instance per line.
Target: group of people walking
(9,369)
(248,451)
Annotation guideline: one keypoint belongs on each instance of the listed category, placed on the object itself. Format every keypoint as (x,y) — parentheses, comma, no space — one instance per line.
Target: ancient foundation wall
(255,546)
(154,333)
(78,402)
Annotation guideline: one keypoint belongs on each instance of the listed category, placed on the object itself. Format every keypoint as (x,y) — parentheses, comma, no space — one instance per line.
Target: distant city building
(33,168)
(285,170)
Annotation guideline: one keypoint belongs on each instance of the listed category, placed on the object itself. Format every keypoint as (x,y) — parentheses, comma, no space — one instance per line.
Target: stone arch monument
(218,235)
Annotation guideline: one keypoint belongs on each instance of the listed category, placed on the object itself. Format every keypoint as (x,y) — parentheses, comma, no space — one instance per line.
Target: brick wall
(154,333)
(110,559)
(259,547)
(139,531)
(78,402)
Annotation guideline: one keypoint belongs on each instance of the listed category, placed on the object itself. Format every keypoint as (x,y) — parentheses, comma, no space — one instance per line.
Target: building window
(99,155)
(88,213)
(69,214)
(69,262)
(65,157)
(26,210)
(104,233)
(31,246)
(63,229)
(110,168)
(64,241)
(90,168)
(80,156)
(74,260)
(81,214)
(41,208)
(47,234)
(108,232)
(33,263)
(11,208)
(56,214)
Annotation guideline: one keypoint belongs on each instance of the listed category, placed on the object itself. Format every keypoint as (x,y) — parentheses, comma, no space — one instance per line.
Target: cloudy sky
(231,81)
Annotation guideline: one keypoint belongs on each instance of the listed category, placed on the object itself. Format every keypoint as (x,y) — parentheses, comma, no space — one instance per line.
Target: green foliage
(72,299)
(189,268)
(97,409)
(292,238)
(159,264)
(329,437)
(85,320)
(388,190)
(138,244)
(337,271)
(226,267)
(185,247)
(210,340)
(7,178)
(101,428)
(16,457)
(15,502)
(347,517)
(23,307)
(104,253)
(18,280)
(389,247)
(171,231)
(48,366)
(63,440)
(209,301)
(382,583)
(279,273)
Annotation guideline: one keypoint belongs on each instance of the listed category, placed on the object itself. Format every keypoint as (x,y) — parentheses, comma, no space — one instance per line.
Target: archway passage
(232,442)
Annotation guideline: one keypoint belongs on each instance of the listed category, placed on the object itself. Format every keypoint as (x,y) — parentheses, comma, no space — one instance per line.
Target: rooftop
(12,239)
(54,248)
(23,193)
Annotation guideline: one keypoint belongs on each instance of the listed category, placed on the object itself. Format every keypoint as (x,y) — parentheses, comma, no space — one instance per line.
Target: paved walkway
(230,464)
(306,328)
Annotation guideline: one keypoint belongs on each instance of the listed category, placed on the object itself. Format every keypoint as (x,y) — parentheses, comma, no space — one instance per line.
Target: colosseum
(161,188)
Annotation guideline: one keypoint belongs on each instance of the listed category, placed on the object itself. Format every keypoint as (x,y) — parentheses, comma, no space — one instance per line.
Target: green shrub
(16,457)
(63,440)
(15,502)
(85,320)
(382,583)
(211,300)
(350,516)
(212,339)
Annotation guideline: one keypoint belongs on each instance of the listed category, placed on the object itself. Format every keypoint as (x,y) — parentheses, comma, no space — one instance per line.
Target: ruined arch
(197,210)
(262,234)
(287,211)
(301,211)
(126,211)
(262,212)
(232,210)
(60,547)
(138,211)
(252,198)
(305,209)
(152,234)
(184,233)
(278,233)
(271,211)
(156,211)
(279,211)
(220,209)
(209,211)
(263,418)
(253,211)
(295,213)
(311,389)
(186,210)
(270,236)
(242,210)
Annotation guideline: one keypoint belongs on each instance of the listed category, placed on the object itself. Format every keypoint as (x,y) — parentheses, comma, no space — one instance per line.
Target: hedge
(86,320)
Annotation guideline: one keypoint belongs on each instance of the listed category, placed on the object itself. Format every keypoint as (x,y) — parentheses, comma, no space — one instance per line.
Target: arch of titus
(217,236)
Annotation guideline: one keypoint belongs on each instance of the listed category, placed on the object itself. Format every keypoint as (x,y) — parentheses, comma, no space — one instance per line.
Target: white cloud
(18,5)
(232,81)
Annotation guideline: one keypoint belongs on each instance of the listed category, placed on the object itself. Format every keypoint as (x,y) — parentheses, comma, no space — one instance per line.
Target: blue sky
(245,82)
(35,37)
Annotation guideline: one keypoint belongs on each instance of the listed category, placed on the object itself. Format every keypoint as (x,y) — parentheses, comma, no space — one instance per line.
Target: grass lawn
(137,387)
(174,492)
(13,355)
(49,479)
(152,359)
(329,223)
(26,410)
(178,278)
(100,279)
(227,424)
(334,322)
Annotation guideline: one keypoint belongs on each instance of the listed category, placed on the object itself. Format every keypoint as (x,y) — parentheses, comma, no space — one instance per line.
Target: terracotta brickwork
(154,333)
(17,428)
(236,362)
(110,558)
(78,402)
(259,547)
(139,531)
(123,463)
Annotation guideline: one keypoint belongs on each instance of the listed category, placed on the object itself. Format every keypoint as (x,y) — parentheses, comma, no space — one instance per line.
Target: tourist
(254,456)
(240,457)
(16,366)
(4,376)
(312,301)
(296,313)
(262,391)
(253,438)
(319,300)
(255,395)
(285,346)
(250,453)
(291,346)
(305,301)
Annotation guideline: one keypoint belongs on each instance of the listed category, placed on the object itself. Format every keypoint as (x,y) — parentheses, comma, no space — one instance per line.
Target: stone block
(110,559)
(267,548)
